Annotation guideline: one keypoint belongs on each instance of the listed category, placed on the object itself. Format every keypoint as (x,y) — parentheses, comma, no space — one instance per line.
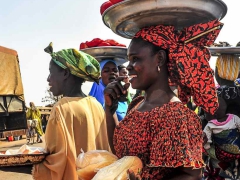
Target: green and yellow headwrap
(79,63)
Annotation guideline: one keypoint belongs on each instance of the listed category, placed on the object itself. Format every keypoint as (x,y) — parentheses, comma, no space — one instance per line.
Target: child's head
(221,111)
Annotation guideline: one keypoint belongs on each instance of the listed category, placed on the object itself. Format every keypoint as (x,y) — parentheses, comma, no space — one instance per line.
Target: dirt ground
(17,172)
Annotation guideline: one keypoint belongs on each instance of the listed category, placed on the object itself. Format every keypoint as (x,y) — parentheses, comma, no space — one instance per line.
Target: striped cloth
(228,67)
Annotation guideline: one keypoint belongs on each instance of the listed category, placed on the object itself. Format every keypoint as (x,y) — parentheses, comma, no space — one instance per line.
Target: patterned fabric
(165,138)
(79,63)
(227,168)
(188,59)
(225,156)
(212,173)
(228,66)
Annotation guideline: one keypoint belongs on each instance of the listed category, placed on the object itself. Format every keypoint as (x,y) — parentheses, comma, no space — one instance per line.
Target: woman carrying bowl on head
(158,127)
(77,121)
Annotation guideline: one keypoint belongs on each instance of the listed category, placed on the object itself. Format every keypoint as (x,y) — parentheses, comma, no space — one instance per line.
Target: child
(223,129)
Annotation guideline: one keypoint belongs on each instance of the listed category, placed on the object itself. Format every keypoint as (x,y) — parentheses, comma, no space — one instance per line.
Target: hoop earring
(159,69)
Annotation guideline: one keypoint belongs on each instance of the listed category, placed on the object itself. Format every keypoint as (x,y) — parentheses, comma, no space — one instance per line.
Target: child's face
(221,111)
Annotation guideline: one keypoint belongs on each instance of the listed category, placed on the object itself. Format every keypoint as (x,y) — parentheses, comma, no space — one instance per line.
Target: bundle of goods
(101,164)
(88,163)
(97,42)
(105,49)
(228,63)
(118,170)
(228,66)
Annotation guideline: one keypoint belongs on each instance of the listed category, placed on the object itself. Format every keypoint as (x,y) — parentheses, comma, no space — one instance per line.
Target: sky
(28,26)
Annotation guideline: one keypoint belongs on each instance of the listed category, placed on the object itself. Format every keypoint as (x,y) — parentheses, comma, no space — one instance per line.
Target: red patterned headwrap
(188,64)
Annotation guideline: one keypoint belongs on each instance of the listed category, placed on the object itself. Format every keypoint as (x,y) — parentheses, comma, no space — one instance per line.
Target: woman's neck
(159,91)
(161,96)
(74,91)
(156,97)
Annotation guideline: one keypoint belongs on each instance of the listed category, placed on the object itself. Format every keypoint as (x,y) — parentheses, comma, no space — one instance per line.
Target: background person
(222,144)
(33,113)
(109,73)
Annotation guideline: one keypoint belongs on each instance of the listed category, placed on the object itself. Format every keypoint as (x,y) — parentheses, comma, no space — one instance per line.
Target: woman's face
(142,67)
(55,79)
(109,73)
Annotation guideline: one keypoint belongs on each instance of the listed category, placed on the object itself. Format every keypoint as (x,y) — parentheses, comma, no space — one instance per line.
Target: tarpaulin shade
(11,82)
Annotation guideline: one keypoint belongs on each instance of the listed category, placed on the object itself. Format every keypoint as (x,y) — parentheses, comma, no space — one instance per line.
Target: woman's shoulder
(178,110)
(70,104)
(176,106)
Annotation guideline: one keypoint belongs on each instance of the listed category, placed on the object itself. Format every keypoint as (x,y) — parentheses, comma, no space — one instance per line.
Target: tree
(49,98)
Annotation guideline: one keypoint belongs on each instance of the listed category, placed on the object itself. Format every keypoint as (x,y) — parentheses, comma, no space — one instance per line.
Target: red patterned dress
(164,138)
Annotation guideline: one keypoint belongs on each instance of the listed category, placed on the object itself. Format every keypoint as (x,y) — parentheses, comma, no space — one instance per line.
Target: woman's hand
(133,176)
(114,90)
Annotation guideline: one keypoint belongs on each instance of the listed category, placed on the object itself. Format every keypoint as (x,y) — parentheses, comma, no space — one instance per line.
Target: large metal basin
(127,17)
(119,54)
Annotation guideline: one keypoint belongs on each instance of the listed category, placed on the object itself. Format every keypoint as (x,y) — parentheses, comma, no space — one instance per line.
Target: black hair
(120,67)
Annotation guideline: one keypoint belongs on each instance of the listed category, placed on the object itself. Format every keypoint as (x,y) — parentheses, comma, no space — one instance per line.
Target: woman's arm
(111,94)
